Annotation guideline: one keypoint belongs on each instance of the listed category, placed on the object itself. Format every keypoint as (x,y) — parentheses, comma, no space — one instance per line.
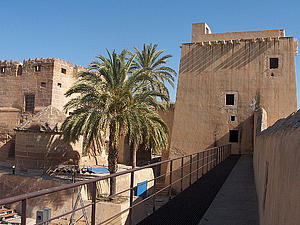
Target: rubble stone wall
(46,79)
(43,151)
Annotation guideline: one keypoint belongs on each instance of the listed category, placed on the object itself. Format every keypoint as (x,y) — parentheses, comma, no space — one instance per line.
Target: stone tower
(27,88)
(223,79)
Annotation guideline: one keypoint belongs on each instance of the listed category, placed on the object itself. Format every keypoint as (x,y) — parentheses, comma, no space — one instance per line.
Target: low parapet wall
(276,167)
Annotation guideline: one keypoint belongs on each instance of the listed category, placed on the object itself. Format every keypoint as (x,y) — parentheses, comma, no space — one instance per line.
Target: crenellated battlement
(79,68)
(38,61)
(9,63)
(15,67)
(32,84)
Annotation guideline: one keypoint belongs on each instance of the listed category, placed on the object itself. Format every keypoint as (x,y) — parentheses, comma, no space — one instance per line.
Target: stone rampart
(276,167)
(44,80)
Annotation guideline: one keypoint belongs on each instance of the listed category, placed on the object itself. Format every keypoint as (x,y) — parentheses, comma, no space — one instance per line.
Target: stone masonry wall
(64,76)
(43,151)
(210,70)
(276,168)
(47,79)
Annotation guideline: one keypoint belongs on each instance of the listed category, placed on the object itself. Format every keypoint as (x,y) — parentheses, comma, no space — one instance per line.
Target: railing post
(218,160)
(171,167)
(211,159)
(93,215)
(131,196)
(191,161)
(222,155)
(154,187)
(202,169)
(23,216)
(214,157)
(181,171)
(208,160)
(197,165)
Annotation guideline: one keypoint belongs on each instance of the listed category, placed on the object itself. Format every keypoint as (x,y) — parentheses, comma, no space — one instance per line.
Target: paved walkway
(236,202)
(188,207)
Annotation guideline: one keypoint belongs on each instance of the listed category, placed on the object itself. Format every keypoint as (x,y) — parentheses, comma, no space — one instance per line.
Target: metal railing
(179,170)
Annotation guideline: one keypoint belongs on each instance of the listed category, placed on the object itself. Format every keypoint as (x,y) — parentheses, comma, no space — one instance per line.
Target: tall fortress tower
(223,79)
(27,88)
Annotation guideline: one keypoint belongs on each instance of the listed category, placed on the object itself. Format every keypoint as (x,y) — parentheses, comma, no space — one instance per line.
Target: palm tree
(152,62)
(149,129)
(111,98)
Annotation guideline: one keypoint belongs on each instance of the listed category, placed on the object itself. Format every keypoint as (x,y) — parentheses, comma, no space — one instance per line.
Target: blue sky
(77,30)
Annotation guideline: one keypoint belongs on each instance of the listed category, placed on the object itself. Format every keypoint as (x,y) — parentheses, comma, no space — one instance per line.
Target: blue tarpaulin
(99,170)
(141,189)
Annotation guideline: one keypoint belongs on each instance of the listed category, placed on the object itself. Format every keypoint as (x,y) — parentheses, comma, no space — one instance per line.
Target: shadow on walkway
(189,206)
(236,202)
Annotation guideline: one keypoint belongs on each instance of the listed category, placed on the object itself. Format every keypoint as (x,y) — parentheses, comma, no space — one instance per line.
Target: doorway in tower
(29,103)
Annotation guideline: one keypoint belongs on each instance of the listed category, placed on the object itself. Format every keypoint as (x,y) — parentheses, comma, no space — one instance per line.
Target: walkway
(236,202)
(189,206)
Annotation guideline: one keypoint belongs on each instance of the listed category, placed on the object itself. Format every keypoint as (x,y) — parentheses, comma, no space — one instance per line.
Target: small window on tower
(234,136)
(37,68)
(63,70)
(229,99)
(2,69)
(19,72)
(232,118)
(43,84)
(273,63)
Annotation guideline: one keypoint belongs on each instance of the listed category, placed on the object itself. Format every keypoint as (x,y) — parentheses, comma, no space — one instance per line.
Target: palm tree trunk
(112,161)
(95,151)
(134,150)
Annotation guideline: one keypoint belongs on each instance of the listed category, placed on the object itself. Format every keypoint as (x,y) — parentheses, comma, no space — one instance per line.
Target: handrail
(212,158)
(77,184)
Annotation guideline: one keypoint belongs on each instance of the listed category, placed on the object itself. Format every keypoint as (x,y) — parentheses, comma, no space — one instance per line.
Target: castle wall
(276,168)
(168,118)
(42,151)
(9,118)
(14,86)
(62,81)
(46,79)
(209,71)
(32,82)
(10,84)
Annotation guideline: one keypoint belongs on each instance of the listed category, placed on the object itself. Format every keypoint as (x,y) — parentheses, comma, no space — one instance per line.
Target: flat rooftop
(201,32)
